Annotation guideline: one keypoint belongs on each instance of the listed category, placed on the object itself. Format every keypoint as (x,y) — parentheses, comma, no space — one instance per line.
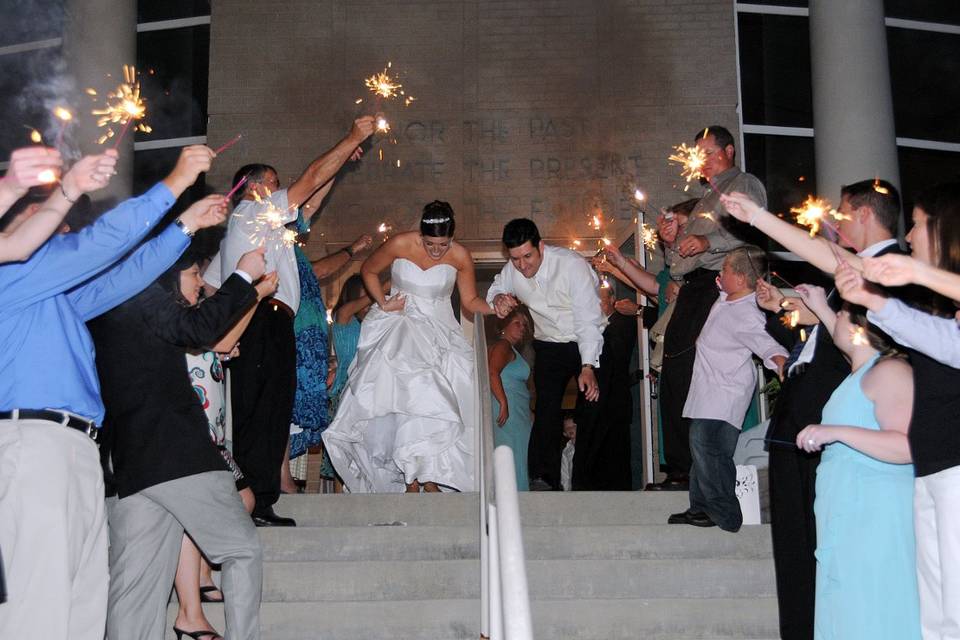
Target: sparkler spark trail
(690,159)
(65,117)
(124,106)
(649,237)
(382,85)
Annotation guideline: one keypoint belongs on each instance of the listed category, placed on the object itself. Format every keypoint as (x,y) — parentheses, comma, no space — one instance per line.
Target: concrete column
(852,106)
(100,37)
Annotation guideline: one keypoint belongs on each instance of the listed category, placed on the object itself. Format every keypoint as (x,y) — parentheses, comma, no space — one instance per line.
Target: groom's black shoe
(266,517)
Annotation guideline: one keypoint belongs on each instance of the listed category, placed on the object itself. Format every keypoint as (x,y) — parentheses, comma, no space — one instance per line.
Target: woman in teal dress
(508,386)
(866,560)
(352,305)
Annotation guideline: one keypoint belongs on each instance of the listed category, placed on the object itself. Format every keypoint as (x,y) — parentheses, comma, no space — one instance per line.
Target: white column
(852,105)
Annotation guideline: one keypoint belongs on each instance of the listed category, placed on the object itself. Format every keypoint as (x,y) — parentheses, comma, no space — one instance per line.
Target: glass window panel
(174,67)
(775,70)
(785,165)
(922,168)
(945,11)
(926,95)
(152,10)
(778,3)
(18,29)
(25,86)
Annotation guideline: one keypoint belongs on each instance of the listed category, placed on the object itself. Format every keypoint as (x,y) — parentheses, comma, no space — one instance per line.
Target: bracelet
(348,250)
(65,196)
(753,218)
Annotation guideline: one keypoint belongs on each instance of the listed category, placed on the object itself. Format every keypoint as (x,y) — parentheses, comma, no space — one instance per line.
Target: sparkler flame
(640,196)
(649,237)
(35,136)
(690,159)
(858,336)
(124,106)
(812,213)
(879,188)
(63,113)
(47,176)
(384,228)
(383,85)
(382,125)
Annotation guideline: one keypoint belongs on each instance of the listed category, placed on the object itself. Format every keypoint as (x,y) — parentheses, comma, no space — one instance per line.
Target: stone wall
(552,109)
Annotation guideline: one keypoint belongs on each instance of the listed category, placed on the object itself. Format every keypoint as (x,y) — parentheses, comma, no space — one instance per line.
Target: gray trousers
(145,534)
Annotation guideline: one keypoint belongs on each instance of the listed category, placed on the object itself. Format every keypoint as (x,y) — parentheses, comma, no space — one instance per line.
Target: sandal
(197,635)
(210,589)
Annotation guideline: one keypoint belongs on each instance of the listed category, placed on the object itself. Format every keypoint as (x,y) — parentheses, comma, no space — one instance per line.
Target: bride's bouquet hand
(394,304)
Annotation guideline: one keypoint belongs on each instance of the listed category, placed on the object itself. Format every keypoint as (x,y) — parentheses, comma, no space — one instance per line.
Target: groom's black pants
(556,363)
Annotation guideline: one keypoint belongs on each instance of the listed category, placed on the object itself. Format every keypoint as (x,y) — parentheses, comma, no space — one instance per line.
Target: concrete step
(614,619)
(452,509)
(312,544)
(548,579)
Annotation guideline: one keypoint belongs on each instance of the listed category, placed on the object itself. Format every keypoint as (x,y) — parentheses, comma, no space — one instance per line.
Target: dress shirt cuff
(770,355)
(243,274)
(589,354)
(886,313)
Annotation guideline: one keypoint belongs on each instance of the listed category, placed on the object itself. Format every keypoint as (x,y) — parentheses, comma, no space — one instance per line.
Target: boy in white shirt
(722,386)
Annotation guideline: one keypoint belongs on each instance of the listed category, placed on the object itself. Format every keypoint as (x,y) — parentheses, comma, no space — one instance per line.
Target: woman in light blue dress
(866,558)
(508,386)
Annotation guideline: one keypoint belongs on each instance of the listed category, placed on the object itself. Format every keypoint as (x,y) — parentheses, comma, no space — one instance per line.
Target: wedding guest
(50,406)
(509,373)
(560,289)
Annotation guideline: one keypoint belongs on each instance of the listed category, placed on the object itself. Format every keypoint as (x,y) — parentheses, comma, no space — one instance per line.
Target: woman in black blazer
(167,473)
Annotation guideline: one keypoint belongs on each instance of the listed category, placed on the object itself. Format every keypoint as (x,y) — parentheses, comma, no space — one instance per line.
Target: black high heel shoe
(210,634)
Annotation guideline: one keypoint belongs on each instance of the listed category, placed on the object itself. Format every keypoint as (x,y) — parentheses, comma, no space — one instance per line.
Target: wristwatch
(184,228)
(586,366)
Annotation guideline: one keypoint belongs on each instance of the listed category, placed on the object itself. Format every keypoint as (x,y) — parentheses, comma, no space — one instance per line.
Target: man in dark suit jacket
(169,476)
(872,208)
(602,458)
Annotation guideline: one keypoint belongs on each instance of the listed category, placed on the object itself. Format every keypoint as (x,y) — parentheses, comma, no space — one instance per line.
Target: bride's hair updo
(437,220)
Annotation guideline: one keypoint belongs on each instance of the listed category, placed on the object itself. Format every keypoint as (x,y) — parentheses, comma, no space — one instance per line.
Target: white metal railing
(504,597)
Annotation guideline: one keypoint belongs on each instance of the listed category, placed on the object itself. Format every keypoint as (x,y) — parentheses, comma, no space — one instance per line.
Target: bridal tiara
(435,220)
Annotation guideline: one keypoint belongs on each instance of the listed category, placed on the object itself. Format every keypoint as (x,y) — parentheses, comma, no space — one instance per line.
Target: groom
(560,289)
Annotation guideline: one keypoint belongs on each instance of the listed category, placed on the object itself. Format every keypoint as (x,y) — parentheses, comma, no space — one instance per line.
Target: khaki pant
(53,533)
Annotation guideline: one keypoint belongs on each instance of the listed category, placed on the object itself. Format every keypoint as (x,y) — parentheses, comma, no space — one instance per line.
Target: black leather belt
(88,427)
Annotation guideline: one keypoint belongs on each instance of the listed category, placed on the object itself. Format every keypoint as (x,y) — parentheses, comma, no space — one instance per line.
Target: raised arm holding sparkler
(89,174)
(325,167)
(818,251)
(29,167)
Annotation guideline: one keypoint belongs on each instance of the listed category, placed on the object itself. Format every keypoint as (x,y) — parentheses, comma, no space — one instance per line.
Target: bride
(405,419)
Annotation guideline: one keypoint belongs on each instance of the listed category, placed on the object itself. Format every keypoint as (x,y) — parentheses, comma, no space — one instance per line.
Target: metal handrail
(504,596)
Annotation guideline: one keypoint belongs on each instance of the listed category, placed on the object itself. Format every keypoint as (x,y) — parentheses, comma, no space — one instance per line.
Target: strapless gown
(406,412)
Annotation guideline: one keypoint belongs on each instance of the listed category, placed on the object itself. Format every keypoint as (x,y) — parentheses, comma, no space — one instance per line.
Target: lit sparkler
(383,85)
(791,319)
(288,237)
(65,116)
(814,212)
(690,159)
(35,137)
(879,188)
(649,237)
(47,176)
(382,125)
(858,336)
(384,228)
(123,106)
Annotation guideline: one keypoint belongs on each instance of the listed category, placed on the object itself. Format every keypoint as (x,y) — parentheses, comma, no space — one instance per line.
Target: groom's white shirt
(562,298)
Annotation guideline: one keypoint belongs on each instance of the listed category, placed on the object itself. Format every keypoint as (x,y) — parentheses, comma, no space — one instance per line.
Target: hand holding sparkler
(853,288)
(90,173)
(30,167)
(207,212)
(253,263)
(268,285)
(815,298)
(363,127)
(614,255)
(769,297)
(362,243)
(893,270)
(813,438)
(740,206)
(193,161)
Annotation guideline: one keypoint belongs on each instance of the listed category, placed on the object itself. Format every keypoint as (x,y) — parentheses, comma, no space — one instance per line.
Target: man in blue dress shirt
(52,518)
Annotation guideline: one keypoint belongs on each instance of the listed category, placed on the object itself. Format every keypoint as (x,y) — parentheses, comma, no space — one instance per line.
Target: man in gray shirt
(694,260)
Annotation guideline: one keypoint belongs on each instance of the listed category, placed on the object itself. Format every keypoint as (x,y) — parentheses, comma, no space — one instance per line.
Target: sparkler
(235,140)
(858,336)
(35,137)
(649,237)
(123,106)
(239,184)
(692,160)
(782,279)
(382,125)
(813,213)
(47,176)
(65,117)
(879,188)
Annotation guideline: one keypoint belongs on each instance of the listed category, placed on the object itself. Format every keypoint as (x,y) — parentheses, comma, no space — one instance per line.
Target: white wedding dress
(406,412)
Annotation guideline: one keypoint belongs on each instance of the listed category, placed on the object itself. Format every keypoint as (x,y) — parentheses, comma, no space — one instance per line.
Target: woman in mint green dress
(866,559)
(508,386)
